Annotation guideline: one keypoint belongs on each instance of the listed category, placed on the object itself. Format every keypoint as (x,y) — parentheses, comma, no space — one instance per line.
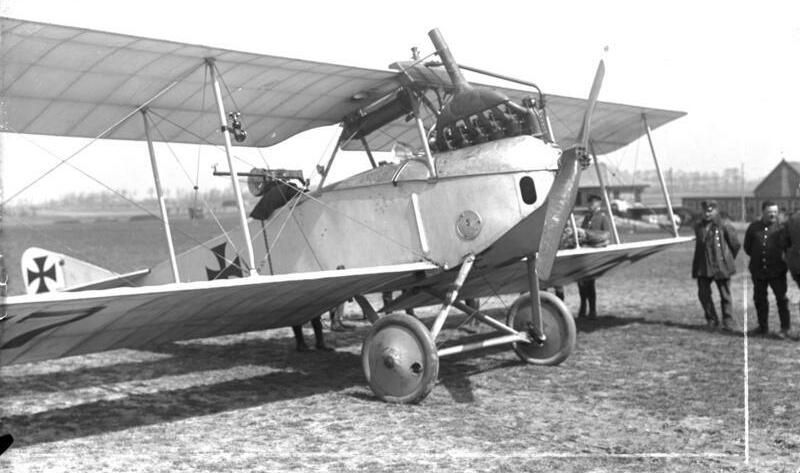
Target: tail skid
(46,271)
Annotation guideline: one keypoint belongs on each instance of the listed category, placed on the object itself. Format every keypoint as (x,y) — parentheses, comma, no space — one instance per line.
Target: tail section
(46,271)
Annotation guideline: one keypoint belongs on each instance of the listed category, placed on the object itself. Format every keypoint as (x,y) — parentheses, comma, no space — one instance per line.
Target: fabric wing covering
(62,324)
(571,265)
(614,126)
(66,81)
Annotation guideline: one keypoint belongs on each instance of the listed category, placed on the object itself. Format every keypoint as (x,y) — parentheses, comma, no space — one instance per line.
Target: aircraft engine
(475,114)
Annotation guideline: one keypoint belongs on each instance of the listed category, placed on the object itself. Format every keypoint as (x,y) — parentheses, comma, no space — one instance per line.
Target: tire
(400,359)
(559,328)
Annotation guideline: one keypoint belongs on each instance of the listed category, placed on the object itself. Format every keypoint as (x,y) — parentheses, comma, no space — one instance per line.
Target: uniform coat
(792,243)
(715,249)
(765,243)
(597,228)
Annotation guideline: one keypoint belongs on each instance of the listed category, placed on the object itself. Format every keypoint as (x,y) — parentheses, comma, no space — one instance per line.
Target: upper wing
(62,324)
(614,125)
(59,80)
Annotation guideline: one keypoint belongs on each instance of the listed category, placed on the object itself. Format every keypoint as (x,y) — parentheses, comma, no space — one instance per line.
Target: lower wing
(53,325)
(570,266)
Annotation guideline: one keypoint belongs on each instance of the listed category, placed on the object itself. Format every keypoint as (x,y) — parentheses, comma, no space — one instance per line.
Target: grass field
(647,389)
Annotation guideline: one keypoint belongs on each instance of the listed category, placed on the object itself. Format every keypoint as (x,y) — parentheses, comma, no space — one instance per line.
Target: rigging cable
(102,134)
(225,84)
(199,138)
(119,194)
(206,205)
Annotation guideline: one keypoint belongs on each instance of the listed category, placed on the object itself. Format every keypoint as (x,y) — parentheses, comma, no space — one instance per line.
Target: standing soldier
(792,244)
(594,232)
(300,343)
(715,250)
(765,242)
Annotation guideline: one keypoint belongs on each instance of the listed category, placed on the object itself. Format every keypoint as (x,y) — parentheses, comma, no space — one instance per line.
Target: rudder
(47,271)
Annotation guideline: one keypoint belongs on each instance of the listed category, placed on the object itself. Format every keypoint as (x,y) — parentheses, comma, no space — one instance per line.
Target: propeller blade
(586,127)
(565,186)
(559,205)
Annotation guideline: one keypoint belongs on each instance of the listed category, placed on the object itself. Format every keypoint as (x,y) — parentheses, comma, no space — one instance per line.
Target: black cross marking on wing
(41,274)
(232,270)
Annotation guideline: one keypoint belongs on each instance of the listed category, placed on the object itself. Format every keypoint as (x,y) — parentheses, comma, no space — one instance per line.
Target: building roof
(782,181)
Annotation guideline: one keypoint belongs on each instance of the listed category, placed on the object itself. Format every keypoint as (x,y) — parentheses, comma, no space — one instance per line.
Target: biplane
(475,206)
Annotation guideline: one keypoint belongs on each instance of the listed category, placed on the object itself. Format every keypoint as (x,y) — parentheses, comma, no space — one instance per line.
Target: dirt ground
(646,389)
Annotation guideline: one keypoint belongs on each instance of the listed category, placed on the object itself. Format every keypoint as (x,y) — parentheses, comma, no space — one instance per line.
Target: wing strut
(327,169)
(251,260)
(604,191)
(161,205)
(660,177)
(574,229)
(429,162)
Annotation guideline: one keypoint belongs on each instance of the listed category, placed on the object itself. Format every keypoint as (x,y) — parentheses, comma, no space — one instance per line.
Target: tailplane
(46,271)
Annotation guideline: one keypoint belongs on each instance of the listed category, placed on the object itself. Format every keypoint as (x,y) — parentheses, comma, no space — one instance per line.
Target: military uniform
(596,226)
(792,244)
(715,250)
(316,324)
(765,244)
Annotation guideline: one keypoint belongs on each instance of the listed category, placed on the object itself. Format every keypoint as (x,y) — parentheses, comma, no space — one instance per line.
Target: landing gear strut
(401,359)
(399,356)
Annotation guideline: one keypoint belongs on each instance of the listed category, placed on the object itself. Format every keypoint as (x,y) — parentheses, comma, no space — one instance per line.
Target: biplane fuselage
(481,194)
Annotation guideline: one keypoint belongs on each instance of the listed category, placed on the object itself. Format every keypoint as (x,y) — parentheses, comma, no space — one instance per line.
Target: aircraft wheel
(400,359)
(559,328)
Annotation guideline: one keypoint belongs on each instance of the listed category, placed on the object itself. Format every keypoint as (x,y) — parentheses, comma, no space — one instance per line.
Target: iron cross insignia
(41,274)
(225,271)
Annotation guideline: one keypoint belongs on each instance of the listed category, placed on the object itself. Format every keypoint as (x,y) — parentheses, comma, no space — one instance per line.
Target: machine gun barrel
(266,173)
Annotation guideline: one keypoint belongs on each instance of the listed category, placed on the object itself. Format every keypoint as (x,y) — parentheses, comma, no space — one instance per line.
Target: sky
(734,67)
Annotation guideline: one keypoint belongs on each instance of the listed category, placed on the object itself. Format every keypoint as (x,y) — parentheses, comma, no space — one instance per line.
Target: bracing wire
(495,292)
(205,202)
(263,158)
(123,197)
(294,201)
(225,84)
(334,141)
(199,138)
(197,173)
(102,134)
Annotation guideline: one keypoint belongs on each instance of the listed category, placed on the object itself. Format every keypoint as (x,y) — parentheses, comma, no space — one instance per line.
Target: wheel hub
(391,358)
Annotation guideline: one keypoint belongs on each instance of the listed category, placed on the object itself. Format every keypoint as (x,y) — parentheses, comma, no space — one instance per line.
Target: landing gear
(557,324)
(400,359)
